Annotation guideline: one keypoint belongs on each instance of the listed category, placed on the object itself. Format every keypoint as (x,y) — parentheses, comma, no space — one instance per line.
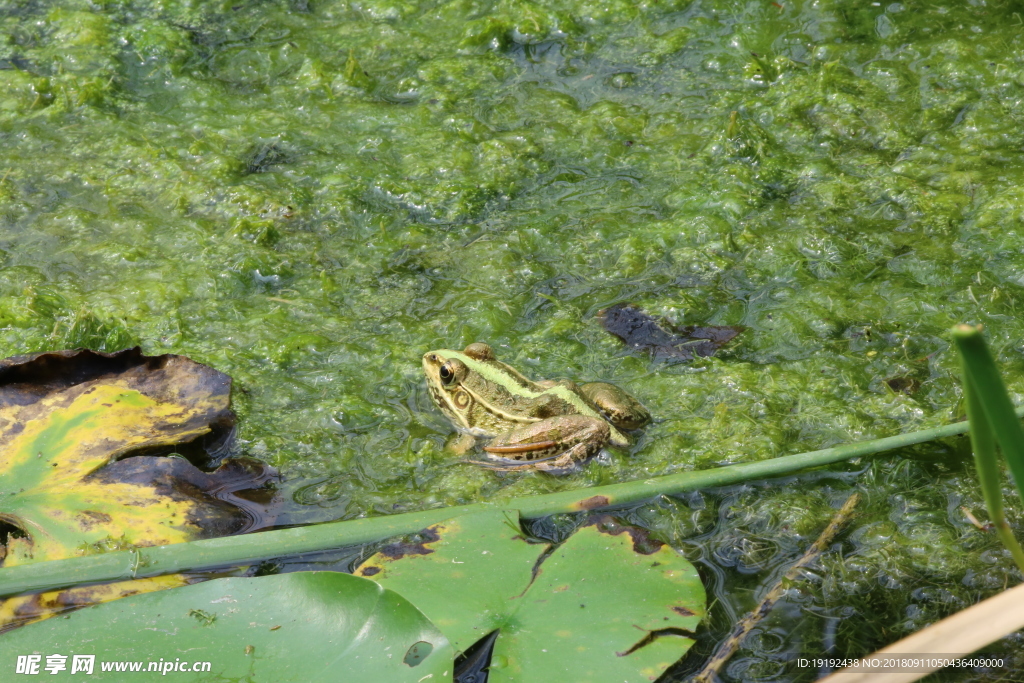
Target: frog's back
(485,397)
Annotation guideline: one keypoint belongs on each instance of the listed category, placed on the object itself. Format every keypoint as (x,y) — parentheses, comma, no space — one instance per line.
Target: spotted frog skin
(548,425)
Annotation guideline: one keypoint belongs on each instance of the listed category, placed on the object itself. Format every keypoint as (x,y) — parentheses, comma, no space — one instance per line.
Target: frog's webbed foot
(563,463)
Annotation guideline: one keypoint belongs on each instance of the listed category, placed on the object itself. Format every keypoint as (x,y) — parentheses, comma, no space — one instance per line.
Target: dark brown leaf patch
(400,549)
(642,541)
(662,340)
(593,503)
(89,518)
(235,498)
(27,378)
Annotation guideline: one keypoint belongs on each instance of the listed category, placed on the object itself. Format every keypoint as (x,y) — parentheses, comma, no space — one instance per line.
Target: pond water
(308,195)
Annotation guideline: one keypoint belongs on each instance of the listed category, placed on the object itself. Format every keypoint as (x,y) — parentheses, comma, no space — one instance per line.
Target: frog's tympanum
(547,425)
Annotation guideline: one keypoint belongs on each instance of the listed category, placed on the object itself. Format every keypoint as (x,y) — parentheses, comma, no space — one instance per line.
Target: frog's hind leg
(580,435)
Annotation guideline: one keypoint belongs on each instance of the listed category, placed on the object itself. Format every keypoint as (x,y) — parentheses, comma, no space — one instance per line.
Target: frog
(552,426)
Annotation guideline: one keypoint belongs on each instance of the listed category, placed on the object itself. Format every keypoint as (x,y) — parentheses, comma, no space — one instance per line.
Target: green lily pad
(301,627)
(609,604)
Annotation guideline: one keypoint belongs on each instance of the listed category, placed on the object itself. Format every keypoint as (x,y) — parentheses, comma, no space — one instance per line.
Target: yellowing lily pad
(609,604)
(68,422)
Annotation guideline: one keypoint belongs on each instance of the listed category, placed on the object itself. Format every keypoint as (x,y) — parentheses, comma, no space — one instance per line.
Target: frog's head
(447,372)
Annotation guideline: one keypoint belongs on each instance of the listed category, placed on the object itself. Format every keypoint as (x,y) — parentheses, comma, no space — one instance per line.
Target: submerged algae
(307,194)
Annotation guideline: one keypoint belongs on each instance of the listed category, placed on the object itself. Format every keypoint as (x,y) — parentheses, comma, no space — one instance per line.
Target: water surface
(308,195)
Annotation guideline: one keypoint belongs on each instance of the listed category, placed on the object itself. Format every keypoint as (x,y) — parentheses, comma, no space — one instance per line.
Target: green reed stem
(993,421)
(240,550)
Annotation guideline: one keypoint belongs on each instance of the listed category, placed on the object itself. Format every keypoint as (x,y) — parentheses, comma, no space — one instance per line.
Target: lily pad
(70,420)
(609,604)
(301,627)
(462,573)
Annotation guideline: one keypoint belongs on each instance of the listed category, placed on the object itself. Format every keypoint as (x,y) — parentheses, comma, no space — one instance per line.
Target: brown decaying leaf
(79,474)
(906,385)
(664,341)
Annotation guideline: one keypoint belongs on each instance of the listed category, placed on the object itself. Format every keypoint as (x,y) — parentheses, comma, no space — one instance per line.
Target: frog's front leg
(461,444)
(554,444)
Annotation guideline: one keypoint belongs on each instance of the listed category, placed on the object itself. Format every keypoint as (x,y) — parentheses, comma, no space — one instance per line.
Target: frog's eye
(451,372)
(447,374)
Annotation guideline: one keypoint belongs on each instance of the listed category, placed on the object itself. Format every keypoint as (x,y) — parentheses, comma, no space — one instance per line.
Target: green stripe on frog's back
(508,381)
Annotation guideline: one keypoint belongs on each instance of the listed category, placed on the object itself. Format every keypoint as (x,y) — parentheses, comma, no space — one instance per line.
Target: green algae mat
(308,194)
